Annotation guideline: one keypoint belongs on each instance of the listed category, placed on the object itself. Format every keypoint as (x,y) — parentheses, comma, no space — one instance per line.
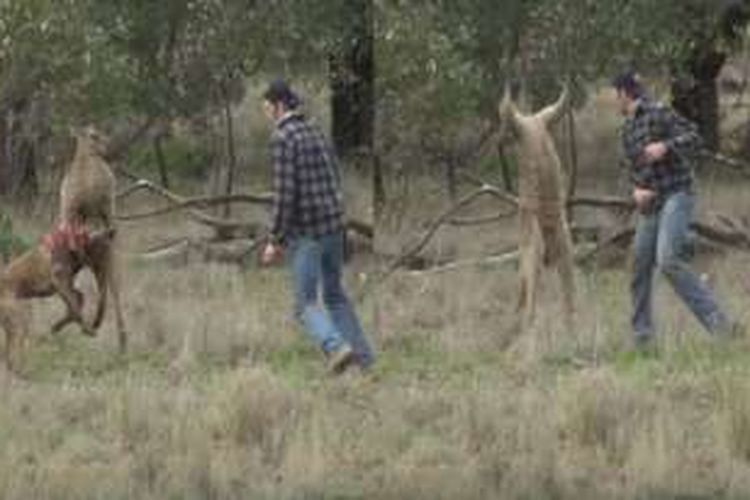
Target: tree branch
(217,223)
(119,147)
(443,218)
(178,202)
(200,202)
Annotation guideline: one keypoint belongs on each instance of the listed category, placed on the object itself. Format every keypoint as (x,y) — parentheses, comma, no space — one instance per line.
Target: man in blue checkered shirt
(307,221)
(661,147)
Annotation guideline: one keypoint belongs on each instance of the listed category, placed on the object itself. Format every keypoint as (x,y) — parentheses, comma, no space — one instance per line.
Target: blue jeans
(662,241)
(316,265)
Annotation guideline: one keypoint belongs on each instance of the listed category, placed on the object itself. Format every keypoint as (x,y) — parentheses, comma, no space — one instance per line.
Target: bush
(183,158)
(11,244)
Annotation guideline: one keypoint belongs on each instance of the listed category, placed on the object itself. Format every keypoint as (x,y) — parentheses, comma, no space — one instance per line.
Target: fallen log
(200,202)
(732,232)
(185,251)
(612,202)
(499,260)
(225,228)
(432,228)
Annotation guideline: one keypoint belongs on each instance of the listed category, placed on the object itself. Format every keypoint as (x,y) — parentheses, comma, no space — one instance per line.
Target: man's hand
(655,151)
(643,198)
(272,254)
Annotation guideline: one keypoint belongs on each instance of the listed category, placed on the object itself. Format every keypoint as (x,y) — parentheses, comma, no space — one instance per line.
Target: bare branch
(185,250)
(201,202)
(481,220)
(198,216)
(508,257)
(731,234)
(740,166)
(620,237)
(505,258)
(119,147)
(613,202)
(495,191)
(432,229)
(178,202)
(736,237)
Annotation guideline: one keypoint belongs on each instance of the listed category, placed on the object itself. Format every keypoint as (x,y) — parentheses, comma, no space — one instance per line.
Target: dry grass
(221,397)
(559,414)
(446,414)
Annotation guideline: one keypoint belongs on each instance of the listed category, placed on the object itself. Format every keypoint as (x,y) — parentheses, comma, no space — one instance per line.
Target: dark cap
(630,82)
(279,91)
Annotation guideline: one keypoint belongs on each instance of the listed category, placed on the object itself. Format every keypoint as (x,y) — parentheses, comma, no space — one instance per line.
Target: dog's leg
(69,317)
(62,281)
(12,321)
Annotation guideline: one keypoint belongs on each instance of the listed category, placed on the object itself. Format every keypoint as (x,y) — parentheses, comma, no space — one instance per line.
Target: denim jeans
(316,265)
(662,241)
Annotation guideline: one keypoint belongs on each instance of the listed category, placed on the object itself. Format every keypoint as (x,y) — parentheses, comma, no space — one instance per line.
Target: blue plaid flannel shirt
(654,121)
(306,181)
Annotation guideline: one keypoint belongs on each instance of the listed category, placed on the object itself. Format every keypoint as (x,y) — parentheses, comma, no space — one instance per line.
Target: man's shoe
(340,359)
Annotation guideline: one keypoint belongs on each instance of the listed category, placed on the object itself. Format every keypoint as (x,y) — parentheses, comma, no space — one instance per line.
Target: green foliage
(42,47)
(11,243)
(180,58)
(440,63)
(185,158)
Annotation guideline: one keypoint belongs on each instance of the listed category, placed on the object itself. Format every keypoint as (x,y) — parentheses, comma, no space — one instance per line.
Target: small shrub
(11,244)
(183,158)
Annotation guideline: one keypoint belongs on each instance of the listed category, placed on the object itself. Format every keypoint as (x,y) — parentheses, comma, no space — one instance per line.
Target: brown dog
(48,269)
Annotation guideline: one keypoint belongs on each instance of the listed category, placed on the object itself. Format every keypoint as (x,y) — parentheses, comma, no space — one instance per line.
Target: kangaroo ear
(551,114)
(509,115)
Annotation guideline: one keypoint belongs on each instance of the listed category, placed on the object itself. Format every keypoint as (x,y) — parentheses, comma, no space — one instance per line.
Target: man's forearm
(279,223)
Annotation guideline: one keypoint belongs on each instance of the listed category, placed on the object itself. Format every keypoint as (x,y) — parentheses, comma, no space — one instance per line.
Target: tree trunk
(451,180)
(231,156)
(378,187)
(695,93)
(505,169)
(5,154)
(352,80)
(26,159)
(23,177)
(161,162)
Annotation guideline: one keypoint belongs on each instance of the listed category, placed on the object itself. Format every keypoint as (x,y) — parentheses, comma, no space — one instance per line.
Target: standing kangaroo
(544,233)
(87,196)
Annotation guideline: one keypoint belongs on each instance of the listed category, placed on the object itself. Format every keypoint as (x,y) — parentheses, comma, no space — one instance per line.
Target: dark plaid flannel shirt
(654,121)
(306,182)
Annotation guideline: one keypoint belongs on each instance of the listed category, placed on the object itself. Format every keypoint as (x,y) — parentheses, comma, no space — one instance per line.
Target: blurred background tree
(415,82)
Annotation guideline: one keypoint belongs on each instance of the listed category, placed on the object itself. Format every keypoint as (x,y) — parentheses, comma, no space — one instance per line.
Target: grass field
(221,397)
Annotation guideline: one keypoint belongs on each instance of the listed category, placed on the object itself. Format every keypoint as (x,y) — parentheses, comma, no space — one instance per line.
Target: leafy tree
(34,71)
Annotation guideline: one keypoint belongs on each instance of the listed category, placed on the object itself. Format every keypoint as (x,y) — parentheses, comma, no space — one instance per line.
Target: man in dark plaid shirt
(661,147)
(307,220)
(306,181)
